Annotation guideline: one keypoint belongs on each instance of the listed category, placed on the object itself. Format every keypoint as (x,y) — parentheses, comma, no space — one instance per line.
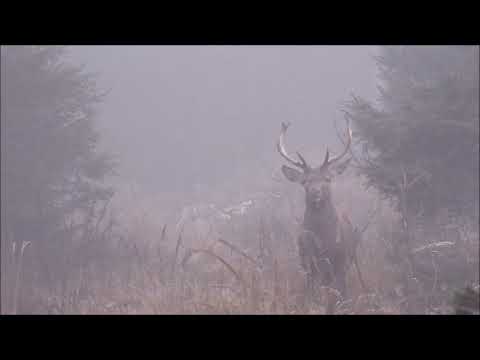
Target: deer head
(315,180)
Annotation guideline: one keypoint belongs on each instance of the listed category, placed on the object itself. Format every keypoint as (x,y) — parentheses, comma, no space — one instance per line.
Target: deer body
(327,245)
(328,241)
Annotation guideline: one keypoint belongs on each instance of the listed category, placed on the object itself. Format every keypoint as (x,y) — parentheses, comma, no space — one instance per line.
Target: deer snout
(318,195)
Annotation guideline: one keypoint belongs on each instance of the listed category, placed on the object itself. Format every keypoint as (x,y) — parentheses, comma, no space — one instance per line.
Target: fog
(204,211)
(182,118)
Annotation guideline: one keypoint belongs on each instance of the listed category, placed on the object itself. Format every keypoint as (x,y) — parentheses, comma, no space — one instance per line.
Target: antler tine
(302,159)
(347,147)
(283,152)
(325,160)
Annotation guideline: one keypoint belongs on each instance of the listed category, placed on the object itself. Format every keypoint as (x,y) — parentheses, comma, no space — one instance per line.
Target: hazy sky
(178,115)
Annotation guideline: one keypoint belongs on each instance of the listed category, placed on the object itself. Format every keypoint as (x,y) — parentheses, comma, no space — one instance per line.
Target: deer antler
(327,161)
(302,164)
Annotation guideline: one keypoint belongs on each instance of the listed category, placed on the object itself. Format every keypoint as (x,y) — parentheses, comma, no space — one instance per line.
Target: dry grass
(250,267)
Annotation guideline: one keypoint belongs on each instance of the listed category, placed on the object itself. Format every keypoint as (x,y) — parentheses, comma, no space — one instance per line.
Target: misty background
(193,215)
(187,119)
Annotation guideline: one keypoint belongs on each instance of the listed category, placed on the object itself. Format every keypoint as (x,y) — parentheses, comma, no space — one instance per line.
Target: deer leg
(342,285)
(306,249)
(309,286)
(328,271)
(305,243)
(341,282)
(335,292)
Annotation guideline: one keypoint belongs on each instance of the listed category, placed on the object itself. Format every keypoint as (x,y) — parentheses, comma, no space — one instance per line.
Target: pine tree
(424,130)
(51,168)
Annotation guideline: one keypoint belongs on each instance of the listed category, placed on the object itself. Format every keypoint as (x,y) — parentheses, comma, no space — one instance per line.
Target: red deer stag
(328,241)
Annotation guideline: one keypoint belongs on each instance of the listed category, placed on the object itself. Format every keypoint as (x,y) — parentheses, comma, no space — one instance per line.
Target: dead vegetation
(140,264)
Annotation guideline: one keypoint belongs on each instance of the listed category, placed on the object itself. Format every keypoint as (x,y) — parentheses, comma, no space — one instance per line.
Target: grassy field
(137,261)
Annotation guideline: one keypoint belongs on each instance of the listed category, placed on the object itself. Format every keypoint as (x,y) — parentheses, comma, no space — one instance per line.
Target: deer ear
(292,174)
(340,168)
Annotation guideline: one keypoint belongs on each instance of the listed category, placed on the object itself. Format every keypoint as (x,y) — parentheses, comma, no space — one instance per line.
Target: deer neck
(321,221)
